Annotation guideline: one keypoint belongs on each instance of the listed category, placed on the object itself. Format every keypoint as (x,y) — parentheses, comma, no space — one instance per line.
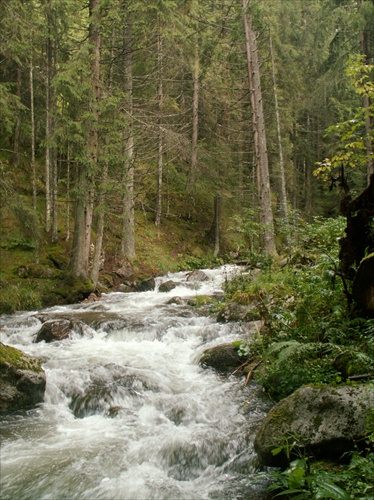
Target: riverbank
(33,278)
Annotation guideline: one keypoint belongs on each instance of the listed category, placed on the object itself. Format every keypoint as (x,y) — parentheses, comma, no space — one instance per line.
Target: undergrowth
(310,336)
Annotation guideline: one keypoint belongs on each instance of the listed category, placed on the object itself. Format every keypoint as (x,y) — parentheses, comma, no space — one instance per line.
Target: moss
(74,289)
(10,356)
(200,300)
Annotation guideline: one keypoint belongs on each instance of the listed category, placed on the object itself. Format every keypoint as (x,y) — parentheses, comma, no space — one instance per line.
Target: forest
(122,118)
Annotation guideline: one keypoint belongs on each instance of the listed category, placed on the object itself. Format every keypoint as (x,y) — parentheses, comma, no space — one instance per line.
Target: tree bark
(54,205)
(263,180)
(96,263)
(48,122)
(282,174)
(85,196)
(32,120)
(214,233)
(68,193)
(128,203)
(160,129)
(17,125)
(195,121)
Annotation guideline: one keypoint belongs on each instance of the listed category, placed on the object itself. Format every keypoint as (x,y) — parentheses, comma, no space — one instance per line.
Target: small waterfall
(128,412)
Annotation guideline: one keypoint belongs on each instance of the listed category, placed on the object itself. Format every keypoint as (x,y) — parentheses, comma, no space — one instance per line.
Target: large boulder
(326,421)
(197,275)
(144,284)
(59,329)
(240,312)
(22,380)
(223,358)
(167,286)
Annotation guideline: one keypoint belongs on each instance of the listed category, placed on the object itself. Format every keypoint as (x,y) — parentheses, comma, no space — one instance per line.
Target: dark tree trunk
(357,243)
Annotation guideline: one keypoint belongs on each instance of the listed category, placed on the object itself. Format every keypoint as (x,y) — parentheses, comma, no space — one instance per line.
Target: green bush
(18,298)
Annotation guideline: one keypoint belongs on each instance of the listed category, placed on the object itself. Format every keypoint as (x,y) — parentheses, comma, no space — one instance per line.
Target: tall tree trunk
(85,196)
(68,193)
(282,174)
(128,203)
(78,263)
(17,125)
(160,129)
(32,120)
(48,122)
(216,225)
(195,120)
(54,204)
(263,180)
(100,227)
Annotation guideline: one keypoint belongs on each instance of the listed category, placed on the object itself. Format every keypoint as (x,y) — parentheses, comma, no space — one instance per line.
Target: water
(128,412)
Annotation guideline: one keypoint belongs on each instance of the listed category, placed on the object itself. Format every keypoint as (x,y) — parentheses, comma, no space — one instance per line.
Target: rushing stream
(128,412)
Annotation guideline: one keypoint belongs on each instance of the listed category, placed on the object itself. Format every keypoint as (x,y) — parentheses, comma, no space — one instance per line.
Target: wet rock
(176,300)
(125,288)
(145,285)
(22,380)
(92,298)
(327,421)
(223,358)
(59,329)
(167,286)
(197,275)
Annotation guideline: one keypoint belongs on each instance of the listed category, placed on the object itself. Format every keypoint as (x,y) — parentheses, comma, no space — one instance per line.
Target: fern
(291,349)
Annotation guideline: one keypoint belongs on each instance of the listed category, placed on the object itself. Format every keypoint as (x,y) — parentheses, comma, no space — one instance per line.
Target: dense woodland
(225,114)
(139,137)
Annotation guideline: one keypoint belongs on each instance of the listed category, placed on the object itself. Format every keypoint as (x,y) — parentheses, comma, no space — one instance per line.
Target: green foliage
(310,336)
(18,297)
(305,478)
(28,223)
(299,481)
(350,135)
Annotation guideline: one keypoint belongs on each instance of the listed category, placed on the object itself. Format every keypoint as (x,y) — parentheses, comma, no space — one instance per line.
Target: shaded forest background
(128,128)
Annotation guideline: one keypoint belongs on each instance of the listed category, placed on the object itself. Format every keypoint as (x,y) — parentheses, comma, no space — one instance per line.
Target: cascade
(128,412)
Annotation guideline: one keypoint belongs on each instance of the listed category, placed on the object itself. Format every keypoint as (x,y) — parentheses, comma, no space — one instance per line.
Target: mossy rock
(167,286)
(22,380)
(38,271)
(74,289)
(223,358)
(200,300)
(239,312)
(144,283)
(59,260)
(327,421)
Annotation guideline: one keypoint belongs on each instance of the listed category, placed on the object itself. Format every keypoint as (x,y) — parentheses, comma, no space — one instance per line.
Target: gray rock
(22,380)
(223,358)
(197,275)
(239,312)
(167,286)
(124,288)
(145,285)
(325,420)
(59,329)
(176,300)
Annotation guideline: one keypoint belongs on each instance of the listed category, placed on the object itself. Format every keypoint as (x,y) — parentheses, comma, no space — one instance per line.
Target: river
(128,412)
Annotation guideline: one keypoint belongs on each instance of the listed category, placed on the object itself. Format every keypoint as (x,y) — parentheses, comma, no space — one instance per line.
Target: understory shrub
(18,298)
